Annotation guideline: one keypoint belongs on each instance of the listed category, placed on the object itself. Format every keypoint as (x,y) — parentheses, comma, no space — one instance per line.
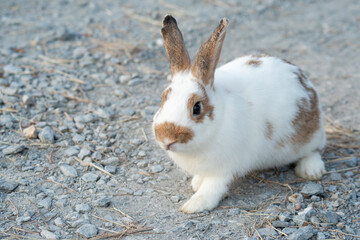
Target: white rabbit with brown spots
(254,112)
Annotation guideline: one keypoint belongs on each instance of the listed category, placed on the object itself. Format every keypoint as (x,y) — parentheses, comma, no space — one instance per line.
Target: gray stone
(320,236)
(46,135)
(110,169)
(82,208)
(142,164)
(7,120)
(352,162)
(331,217)
(84,152)
(48,235)
(103,113)
(264,232)
(156,168)
(303,233)
(7,185)
(46,203)
(22,219)
(234,212)
(175,199)
(85,118)
(90,177)
(289,230)
(110,161)
(13,149)
(11,69)
(103,201)
(124,78)
(68,170)
(349,174)
(304,216)
(77,138)
(87,230)
(335,176)
(284,216)
(138,193)
(280,224)
(79,52)
(59,222)
(315,198)
(311,189)
(10,91)
(332,188)
(71,151)
(135,81)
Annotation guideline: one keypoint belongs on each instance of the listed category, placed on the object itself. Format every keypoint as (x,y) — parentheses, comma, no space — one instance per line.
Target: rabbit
(255,112)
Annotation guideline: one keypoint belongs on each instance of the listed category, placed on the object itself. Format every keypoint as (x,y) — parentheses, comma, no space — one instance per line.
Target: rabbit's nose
(167,146)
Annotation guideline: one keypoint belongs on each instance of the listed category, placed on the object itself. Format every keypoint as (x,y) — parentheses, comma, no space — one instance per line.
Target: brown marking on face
(307,119)
(173,132)
(207,108)
(175,47)
(208,55)
(254,63)
(269,130)
(164,97)
(260,55)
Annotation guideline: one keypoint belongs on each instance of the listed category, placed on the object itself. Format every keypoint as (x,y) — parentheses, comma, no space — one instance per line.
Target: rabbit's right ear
(178,56)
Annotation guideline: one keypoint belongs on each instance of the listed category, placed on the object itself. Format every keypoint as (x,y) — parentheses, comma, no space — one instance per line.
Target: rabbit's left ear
(209,54)
(175,47)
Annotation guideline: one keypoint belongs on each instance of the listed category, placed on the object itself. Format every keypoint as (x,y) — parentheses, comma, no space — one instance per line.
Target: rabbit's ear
(209,54)
(178,56)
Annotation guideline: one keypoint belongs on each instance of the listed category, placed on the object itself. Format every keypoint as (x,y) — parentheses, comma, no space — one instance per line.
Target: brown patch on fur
(254,63)
(307,120)
(269,130)
(281,143)
(173,132)
(261,55)
(164,96)
(288,62)
(175,47)
(209,53)
(207,109)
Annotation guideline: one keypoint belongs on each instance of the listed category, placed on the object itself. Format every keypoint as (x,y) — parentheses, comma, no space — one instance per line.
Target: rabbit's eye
(197,109)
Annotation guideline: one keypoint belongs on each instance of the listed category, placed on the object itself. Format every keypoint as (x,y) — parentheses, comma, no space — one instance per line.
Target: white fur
(235,142)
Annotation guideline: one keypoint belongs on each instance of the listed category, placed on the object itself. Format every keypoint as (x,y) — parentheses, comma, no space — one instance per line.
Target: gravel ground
(80,82)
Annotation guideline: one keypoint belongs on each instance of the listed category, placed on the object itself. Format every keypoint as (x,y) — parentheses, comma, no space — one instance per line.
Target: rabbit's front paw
(196,182)
(311,167)
(198,203)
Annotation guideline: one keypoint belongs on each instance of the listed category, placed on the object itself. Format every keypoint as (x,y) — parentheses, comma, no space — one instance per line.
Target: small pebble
(71,151)
(46,203)
(90,177)
(103,201)
(111,161)
(68,170)
(48,235)
(82,208)
(13,149)
(335,176)
(30,132)
(84,152)
(7,185)
(87,230)
(311,189)
(46,135)
(157,168)
(303,233)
